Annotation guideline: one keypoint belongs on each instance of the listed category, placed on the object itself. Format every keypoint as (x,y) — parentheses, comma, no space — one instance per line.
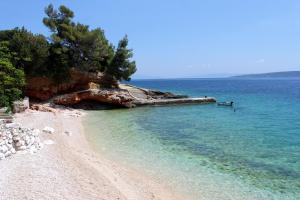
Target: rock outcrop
(127,96)
(143,93)
(43,88)
(89,87)
(117,97)
(144,96)
(42,108)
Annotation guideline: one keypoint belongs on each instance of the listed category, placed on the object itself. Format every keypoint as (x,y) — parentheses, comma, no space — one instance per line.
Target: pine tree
(121,67)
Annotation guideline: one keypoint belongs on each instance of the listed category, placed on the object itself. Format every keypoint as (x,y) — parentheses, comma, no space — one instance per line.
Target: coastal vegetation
(71,46)
(11,78)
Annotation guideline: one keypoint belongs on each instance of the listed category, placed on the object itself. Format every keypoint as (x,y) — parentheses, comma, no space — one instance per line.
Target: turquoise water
(206,151)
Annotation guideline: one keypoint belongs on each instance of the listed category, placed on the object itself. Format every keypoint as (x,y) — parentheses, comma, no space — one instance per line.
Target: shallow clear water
(211,152)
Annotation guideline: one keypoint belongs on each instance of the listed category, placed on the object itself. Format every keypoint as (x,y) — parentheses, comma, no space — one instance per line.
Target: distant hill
(287,74)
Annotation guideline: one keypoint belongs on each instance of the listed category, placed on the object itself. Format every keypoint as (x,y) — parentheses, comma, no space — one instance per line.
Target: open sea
(251,151)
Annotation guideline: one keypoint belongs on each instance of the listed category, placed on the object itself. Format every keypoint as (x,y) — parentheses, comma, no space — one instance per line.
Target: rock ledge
(128,96)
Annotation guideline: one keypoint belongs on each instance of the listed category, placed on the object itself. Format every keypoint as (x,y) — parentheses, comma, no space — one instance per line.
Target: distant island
(286,74)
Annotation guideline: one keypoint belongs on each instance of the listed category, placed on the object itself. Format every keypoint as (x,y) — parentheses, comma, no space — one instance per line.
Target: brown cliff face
(43,88)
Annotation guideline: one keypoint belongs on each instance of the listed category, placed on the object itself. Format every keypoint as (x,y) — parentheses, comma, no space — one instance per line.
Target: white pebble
(68,133)
(4,149)
(48,142)
(48,130)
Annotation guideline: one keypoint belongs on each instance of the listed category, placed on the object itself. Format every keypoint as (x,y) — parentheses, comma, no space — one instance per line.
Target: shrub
(12,79)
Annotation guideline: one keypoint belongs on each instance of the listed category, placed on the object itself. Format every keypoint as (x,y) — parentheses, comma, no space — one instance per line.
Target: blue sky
(191,38)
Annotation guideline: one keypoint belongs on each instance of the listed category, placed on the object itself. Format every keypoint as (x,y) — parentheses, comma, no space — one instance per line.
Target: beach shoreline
(70,168)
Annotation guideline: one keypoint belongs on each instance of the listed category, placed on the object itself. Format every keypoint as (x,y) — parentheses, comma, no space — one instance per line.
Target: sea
(210,152)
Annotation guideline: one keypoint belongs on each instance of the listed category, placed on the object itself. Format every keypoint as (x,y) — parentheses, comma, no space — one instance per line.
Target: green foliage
(59,23)
(88,50)
(6,35)
(29,51)
(58,63)
(12,79)
(121,68)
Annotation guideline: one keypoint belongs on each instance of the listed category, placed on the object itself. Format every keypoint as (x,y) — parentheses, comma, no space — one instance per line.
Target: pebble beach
(58,163)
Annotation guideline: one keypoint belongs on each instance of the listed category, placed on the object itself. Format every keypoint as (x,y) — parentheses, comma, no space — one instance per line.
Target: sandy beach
(69,168)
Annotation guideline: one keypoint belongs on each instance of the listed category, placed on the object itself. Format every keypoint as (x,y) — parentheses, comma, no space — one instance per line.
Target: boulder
(4,149)
(21,105)
(68,133)
(48,142)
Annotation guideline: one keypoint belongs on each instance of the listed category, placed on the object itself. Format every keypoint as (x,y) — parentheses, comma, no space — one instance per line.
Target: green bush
(12,79)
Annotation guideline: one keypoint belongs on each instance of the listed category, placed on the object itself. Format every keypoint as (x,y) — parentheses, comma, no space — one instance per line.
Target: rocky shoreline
(84,87)
(128,96)
(15,138)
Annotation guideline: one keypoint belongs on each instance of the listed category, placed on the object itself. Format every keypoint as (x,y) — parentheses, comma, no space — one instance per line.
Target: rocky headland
(84,86)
